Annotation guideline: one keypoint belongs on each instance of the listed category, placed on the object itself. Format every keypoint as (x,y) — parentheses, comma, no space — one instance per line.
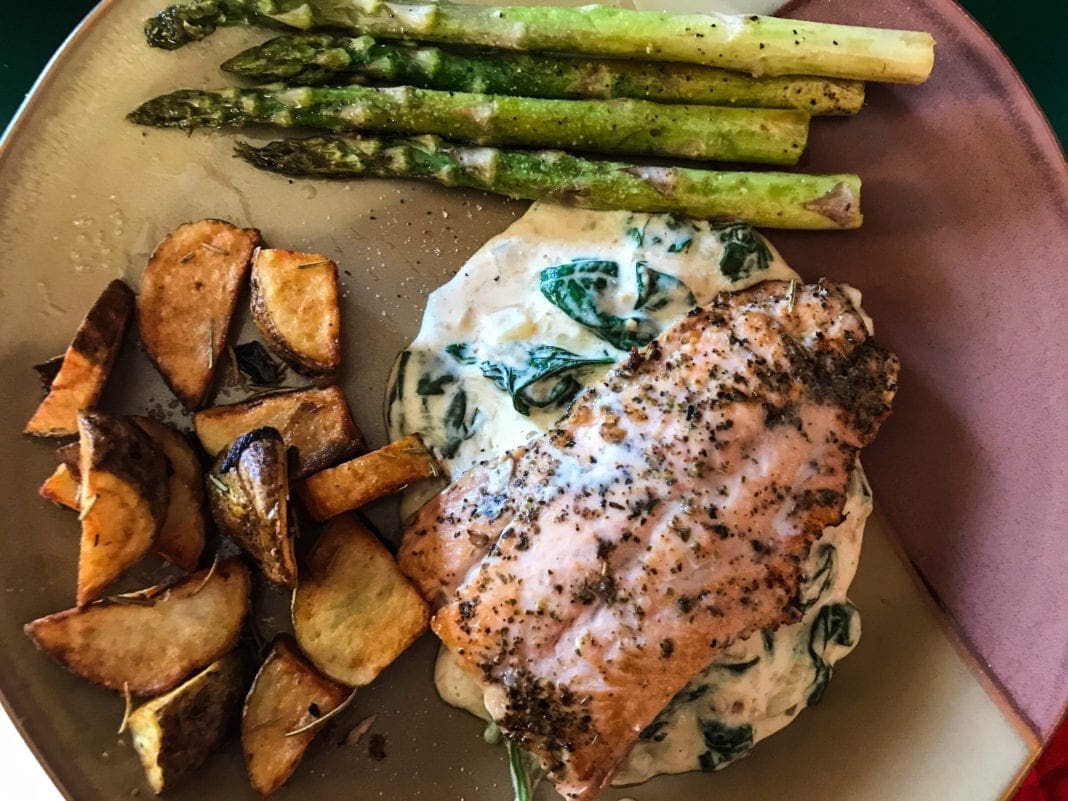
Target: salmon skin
(585,578)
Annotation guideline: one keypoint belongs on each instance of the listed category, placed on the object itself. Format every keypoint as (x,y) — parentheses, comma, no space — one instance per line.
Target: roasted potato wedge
(149,641)
(86,365)
(174,733)
(62,487)
(187,298)
(366,478)
(125,491)
(294,305)
(248,491)
(316,422)
(354,612)
(47,371)
(287,694)
(181,540)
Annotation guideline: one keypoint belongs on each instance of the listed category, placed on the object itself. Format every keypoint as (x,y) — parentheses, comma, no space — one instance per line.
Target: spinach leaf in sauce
(456,425)
(725,743)
(737,668)
(654,732)
(583,289)
(817,584)
(433,385)
(743,251)
(682,233)
(637,234)
(442,411)
(689,694)
(833,626)
(529,383)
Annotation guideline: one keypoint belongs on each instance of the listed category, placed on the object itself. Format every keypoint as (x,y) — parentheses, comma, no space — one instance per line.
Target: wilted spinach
(744,253)
(682,233)
(456,424)
(582,289)
(433,385)
(529,383)
(654,732)
(737,668)
(817,584)
(832,626)
(725,743)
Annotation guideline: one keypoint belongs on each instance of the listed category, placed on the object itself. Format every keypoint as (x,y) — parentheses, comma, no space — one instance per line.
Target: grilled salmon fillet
(584,578)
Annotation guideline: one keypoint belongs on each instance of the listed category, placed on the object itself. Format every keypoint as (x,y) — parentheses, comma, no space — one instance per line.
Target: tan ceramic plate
(961,263)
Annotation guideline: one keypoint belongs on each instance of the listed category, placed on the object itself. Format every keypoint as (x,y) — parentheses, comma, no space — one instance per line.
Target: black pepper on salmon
(587,576)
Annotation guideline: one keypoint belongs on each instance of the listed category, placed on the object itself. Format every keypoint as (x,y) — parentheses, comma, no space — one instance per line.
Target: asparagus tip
(187,109)
(178,25)
(273,157)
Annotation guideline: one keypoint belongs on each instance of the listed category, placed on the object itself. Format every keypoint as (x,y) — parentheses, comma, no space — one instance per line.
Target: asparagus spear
(769,199)
(753,44)
(311,58)
(770,136)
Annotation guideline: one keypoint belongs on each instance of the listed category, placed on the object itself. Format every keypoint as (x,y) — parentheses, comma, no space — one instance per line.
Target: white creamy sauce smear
(485,333)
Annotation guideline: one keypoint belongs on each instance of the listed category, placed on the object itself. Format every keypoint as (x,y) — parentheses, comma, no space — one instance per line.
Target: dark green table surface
(1034,34)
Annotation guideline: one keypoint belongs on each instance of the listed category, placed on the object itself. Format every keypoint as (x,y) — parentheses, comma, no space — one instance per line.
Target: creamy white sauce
(494,312)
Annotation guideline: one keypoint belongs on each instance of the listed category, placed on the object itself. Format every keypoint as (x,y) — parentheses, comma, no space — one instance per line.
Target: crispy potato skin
(359,481)
(188,294)
(181,540)
(354,612)
(175,733)
(294,304)
(316,422)
(280,701)
(71,455)
(250,504)
(125,494)
(86,364)
(150,640)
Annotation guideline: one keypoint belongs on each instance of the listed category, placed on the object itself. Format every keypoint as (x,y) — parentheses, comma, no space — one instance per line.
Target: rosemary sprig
(129,707)
(214,248)
(319,263)
(88,505)
(208,577)
(517,771)
(211,343)
(333,713)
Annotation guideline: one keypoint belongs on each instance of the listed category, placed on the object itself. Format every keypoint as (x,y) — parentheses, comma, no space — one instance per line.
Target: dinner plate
(962,672)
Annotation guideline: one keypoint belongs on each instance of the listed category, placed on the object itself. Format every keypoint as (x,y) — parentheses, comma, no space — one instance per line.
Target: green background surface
(1033,34)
